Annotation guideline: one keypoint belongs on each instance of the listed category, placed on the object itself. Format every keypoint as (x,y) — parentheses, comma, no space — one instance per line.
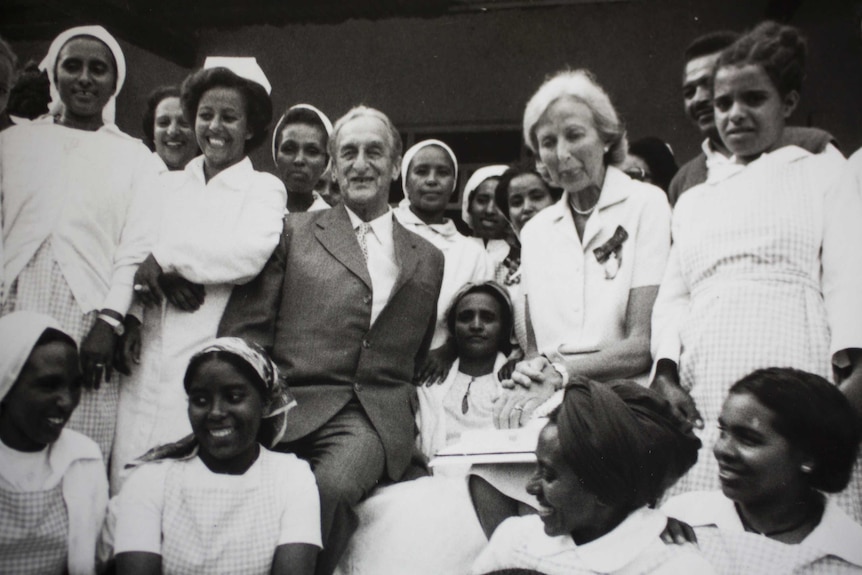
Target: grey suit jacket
(310,308)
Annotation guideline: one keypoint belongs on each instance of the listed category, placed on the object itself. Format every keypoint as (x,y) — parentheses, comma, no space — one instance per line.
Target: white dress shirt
(382,264)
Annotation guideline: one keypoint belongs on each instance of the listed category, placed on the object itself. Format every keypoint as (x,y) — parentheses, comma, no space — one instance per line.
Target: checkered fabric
(207,529)
(41,287)
(34,532)
(749,251)
(753,554)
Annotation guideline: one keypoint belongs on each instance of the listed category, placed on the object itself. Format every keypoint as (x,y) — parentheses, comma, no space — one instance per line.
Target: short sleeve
(653,241)
(498,554)
(300,522)
(138,510)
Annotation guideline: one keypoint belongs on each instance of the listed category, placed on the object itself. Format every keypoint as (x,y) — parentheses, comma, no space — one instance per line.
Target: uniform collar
(235,176)
(625,543)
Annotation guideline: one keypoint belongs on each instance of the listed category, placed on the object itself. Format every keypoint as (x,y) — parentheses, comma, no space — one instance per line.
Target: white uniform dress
(632,548)
(78,217)
(765,271)
(52,504)
(218,233)
(205,523)
(834,547)
(465,261)
(577,304)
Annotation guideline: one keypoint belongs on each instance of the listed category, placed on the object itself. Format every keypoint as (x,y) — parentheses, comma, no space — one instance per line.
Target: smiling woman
(166,130)
(53,488)
(608,451)
(218,500)
(220,222)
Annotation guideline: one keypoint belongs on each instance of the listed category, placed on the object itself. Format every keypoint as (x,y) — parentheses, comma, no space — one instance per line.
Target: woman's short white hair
(582,86)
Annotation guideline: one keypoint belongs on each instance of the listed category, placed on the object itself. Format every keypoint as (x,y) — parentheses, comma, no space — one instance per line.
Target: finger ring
(518,408)
(138,287)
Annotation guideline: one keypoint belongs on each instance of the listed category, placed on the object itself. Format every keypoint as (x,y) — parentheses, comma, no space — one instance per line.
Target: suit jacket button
(366,343)
(357,386)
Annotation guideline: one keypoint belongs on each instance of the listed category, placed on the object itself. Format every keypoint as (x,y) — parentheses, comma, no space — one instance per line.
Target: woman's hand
(182,293)
(147,286)
(536,371)
(666,382)
(128,349)
(677,533)
(97,354)
(437,364)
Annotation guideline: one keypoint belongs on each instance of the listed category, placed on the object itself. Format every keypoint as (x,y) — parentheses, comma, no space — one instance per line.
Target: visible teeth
(217,141)
(221,432)
(174,144)
(56,420)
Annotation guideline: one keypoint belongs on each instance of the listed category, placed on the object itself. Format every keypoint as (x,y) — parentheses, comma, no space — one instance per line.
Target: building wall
(479,69)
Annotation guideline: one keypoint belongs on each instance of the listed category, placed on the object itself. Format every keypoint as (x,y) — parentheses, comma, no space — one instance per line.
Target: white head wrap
(49,64)
(244,67)
(19,332)
(281,121)
(475,180)
(411,153)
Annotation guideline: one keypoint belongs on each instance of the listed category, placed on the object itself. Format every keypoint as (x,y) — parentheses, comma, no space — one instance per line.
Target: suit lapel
(336,235)
(405,254)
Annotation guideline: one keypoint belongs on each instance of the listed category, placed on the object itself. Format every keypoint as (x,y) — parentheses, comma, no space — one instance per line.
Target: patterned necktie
(361,236)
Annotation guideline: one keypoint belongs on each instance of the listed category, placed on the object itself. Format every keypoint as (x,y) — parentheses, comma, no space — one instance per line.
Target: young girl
(217,501)
(53,488)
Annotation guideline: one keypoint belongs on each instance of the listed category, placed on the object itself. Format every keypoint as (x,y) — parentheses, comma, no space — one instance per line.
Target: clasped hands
(532,382)
(152,284)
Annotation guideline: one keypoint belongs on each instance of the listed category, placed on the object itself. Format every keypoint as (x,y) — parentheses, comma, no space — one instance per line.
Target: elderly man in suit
(346,306)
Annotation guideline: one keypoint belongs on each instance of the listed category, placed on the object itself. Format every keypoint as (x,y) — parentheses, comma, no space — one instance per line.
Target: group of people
(257,369)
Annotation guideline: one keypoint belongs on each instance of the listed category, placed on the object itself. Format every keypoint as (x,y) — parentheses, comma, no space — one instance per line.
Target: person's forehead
(86,47)
(364,129)
(700,67)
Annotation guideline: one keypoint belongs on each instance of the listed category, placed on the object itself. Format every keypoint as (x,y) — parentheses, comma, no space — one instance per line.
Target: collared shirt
(382,264)
(634,546)
(831,546)
(577,303)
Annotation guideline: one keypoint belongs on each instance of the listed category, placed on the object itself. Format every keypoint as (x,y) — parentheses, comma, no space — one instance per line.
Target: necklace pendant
(465,403)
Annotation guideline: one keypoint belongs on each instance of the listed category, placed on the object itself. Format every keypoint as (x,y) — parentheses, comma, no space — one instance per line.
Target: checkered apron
(34,532)
(41,287)
(210,529)
(749,249)
(741,553)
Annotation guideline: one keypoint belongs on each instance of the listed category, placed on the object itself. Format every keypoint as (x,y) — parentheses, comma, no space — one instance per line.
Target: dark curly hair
(780,50)
(710,43)
(812,415)
(148,122)
(257,101)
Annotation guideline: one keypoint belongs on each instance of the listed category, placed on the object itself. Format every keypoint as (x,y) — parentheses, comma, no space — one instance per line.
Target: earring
(806,468)
(607,149)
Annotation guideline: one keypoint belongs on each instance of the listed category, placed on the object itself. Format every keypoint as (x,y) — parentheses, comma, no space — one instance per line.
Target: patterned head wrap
(474,182)
(277,398)
(19,332)
(623,441)
(49,64)
(327,125)
(415,149)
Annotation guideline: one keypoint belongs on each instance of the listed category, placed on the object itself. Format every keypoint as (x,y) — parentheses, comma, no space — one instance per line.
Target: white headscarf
(19,332)
(281,122)
(49,64)
(411,153)
(474,182)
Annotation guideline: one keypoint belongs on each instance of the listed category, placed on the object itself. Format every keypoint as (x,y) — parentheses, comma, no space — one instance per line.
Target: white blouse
(92,193)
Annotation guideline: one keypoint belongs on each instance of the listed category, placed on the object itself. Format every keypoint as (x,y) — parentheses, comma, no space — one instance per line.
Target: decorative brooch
(609,254)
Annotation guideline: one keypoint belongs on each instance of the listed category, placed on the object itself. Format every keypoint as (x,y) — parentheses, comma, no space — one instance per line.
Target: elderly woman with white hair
(429,177)
(300,143)
(591,263)
(77,198)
